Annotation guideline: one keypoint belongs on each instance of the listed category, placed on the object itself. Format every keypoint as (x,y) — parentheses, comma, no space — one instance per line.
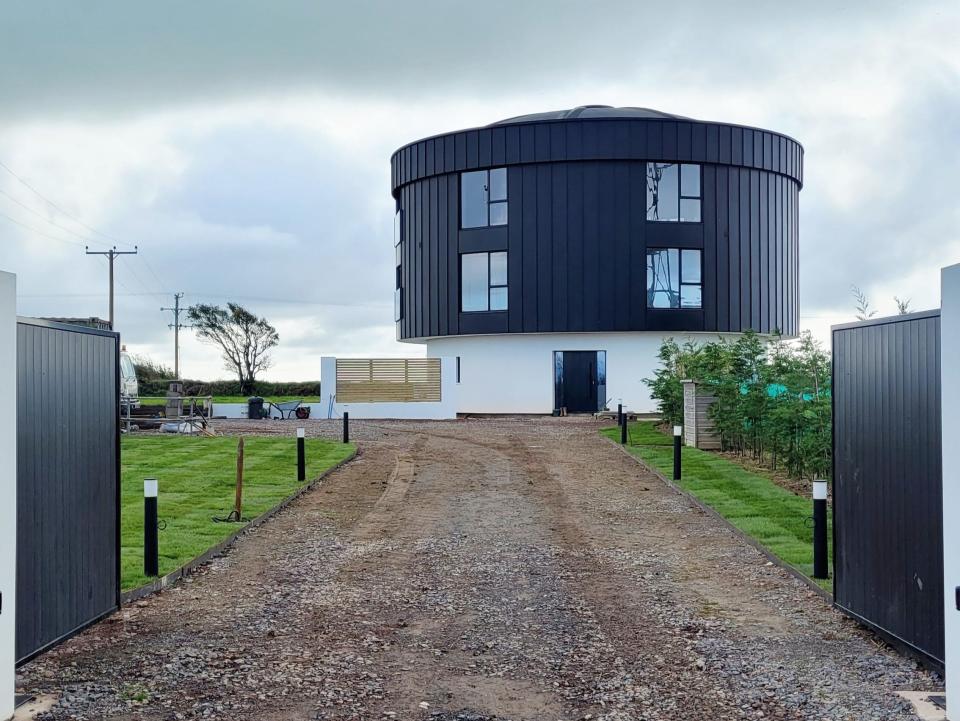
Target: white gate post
(950,407)
(8,489)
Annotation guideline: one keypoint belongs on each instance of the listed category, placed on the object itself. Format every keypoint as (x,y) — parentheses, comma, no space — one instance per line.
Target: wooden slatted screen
(388,380)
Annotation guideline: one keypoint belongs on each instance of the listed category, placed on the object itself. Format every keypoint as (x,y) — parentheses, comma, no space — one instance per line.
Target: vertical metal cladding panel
(67,482)
(887,478)
(530,267)
(560,249)
(545,249)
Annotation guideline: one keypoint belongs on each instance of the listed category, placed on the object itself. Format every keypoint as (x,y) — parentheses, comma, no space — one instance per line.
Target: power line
(38,231)
(45,218)
(58,208)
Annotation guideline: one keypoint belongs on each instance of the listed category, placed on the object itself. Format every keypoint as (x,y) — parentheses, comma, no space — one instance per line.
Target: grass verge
(769,514)
(197,482)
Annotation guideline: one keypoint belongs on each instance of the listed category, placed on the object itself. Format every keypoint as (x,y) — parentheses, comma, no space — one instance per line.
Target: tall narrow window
(674,278)
(398,287)
(483,198)
(673,192)
(483,281)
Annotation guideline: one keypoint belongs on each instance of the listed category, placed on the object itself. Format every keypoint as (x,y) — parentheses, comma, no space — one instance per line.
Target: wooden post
(238,502)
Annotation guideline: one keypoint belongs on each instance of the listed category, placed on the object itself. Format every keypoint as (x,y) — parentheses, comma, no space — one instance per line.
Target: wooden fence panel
(388,380)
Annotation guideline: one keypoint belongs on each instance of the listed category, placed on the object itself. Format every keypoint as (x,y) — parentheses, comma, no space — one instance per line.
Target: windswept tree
(244,339)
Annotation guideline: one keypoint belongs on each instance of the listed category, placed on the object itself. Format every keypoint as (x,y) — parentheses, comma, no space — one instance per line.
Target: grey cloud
(907,226)
(113,57)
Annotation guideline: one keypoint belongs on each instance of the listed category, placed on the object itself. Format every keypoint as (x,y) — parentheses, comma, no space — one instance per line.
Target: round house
(551,254)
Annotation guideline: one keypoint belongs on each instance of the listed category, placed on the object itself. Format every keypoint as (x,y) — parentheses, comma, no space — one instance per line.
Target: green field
(197,478)
(768,513)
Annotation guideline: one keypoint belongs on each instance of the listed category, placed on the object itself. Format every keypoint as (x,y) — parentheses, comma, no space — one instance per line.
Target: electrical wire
(59,209)
(40,232)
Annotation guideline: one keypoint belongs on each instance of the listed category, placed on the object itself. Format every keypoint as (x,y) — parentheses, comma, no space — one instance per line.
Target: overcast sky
(244,147)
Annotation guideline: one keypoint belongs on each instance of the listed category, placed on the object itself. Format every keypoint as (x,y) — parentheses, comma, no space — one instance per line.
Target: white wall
(239,410)
(444,409)
(950,403)
(513,373)
(8,489)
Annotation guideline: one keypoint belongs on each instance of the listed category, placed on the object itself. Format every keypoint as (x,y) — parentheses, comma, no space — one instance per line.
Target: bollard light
(677,433)
(346,427)
(301,454)
(151,547)
(820,561)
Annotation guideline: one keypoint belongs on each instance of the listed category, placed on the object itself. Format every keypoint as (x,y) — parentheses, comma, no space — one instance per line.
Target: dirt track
(480,569)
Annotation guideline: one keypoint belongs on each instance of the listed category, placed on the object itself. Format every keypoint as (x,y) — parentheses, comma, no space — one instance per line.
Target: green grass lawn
(197,477)
(766,512)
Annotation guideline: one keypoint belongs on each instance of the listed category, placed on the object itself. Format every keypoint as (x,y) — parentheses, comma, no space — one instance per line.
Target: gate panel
(887,478)
(68,490)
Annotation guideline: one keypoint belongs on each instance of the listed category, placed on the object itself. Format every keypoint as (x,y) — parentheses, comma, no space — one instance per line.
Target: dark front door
(577,381)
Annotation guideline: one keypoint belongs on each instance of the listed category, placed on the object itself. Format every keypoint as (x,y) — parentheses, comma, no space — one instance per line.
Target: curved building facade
(552,253)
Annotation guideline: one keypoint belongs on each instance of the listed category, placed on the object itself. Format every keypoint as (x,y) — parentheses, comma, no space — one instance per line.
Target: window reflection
(483,198)
(674,278)
(673,192)
(483,281)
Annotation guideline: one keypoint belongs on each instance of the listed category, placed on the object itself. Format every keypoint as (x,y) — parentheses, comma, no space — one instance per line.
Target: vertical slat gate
(68,509)
(887,478)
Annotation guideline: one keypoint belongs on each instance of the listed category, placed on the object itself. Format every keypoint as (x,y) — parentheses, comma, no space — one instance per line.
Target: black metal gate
(68,481)
(888,541)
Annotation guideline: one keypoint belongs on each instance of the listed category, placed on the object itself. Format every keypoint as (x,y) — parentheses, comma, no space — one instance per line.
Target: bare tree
(244,339)
(903,306)
(863,305)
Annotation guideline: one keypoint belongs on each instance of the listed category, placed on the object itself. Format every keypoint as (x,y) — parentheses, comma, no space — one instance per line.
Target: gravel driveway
(481,569)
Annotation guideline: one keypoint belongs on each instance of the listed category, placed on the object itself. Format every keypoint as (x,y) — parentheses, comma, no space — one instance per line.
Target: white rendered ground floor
(523,373)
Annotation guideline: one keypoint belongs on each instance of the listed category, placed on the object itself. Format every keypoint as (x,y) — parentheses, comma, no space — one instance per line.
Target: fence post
(151,547)
(820,567)
(238,497)
(346,427)
(301,455)
(677,433)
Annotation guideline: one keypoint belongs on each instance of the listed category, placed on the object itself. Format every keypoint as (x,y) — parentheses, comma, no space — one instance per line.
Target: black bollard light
(346,427)
(623,430)
(619,413)
(677,433)
(301,454)
(151,547)
(820,567)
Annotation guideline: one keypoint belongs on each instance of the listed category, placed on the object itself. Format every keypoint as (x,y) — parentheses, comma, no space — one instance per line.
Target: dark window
(458,369)
(483,281)
(483,198)
(398,287)
(674,278)
(673,192)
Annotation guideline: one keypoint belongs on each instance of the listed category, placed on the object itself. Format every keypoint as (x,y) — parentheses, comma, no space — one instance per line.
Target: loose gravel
(482,569)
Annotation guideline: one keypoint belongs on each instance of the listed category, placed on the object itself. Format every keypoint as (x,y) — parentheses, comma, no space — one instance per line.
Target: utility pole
(176,325)
(111,256)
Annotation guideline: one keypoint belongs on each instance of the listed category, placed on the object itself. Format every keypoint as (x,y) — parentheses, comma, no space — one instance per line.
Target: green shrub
(158,387)
(773,398)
